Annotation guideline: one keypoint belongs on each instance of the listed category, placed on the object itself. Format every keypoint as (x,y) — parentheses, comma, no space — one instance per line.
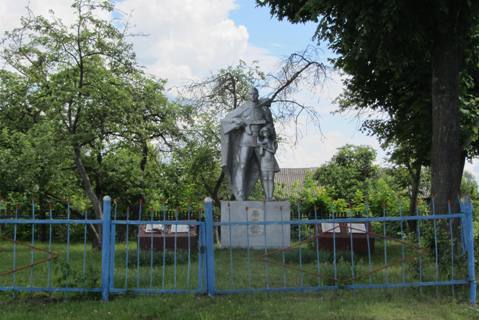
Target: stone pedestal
(255,236)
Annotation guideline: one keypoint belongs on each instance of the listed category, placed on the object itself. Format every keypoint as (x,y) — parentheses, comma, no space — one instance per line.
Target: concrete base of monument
(253,234)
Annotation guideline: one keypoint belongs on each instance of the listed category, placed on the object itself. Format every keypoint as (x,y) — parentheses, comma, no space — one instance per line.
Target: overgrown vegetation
(352,183)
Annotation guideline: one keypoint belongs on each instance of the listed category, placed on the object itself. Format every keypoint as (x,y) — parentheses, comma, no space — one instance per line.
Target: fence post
(105,249)
(470,251)
(210,249)
(201,258)
(111,257)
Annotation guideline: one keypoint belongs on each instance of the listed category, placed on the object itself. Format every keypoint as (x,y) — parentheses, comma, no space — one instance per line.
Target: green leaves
(349,170)
(77,96)
(351,183)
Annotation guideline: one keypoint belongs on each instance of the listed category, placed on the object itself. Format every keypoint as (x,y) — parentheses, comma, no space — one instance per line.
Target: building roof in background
(288,177)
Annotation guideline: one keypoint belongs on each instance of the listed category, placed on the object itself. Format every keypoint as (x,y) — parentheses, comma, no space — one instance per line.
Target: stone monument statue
(248,145)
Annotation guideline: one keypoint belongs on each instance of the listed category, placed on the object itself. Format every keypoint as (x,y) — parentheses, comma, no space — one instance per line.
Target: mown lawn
(378,304)
(235,269)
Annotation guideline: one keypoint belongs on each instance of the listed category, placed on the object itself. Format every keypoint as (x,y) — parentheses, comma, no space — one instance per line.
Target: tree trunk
(96,203)
(43,216)
(446,162)
(216,189)
(98,176)
(415,176)
(143,162)
(217,203)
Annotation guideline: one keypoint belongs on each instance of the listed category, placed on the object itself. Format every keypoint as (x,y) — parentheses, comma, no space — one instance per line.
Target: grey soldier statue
(247,156)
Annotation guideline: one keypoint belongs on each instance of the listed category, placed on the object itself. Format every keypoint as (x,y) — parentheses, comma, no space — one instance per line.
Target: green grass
(378,304)
(234,269)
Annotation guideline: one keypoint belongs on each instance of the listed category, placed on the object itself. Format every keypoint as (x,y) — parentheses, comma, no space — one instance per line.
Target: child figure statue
(267,148)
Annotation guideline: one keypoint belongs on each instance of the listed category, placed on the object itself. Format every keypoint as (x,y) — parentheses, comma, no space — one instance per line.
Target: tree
(87,85)
(78,69)
(34,160)
(351,183)
(381,40)
(405,156)
(350,170)
(152,118)
(313,199)
(145,127)
(34,163)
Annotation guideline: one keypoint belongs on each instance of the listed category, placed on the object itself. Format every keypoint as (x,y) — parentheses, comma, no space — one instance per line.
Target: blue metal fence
(439,252)
(30,258)
(433,256)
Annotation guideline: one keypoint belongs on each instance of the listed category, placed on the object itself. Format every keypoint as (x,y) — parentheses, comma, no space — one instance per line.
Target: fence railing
(30,265)
(161,253)
(167,255)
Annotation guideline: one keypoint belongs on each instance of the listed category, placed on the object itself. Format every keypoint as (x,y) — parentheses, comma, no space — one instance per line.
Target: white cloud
(267,61)
(310,151)
(185,39)
(315,148)
(330,89)
(12,10)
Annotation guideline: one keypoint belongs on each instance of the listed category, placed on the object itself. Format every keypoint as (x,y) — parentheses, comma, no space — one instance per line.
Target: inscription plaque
(240,227)
(256,215)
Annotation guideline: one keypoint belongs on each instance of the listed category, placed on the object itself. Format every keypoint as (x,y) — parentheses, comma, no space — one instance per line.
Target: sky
(188,40)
